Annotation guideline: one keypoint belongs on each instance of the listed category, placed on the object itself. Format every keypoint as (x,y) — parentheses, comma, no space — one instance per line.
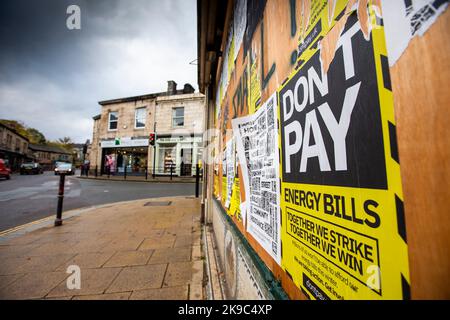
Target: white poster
(230,165)
(405,19)
(257,148)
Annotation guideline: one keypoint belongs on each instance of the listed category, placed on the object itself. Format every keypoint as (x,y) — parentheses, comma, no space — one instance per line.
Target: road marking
(8,231)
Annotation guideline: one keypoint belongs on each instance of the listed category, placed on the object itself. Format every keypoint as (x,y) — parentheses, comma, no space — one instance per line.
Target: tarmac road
(27,198)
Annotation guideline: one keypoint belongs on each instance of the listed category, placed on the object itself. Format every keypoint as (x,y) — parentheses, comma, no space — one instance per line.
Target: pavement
(24,199)
(140,249)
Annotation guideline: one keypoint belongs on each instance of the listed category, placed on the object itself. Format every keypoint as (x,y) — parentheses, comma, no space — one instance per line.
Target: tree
(65,140)
(65,143)
(35,136)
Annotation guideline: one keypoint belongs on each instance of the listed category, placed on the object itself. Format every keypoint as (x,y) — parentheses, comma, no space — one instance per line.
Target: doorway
(186,161)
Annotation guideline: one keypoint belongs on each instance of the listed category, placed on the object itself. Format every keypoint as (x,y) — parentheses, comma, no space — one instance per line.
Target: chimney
(171,87)
(188,88)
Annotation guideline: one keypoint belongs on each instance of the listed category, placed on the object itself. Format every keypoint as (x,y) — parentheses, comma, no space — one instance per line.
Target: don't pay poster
(342,215)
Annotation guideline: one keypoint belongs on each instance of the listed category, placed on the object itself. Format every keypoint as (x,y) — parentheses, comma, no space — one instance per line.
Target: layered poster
(317,157)
(257,147)
(343,229)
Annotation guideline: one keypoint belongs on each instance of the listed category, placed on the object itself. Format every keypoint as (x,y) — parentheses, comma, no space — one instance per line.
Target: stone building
(121,133)
(47,156)
(80,152)
(13,147)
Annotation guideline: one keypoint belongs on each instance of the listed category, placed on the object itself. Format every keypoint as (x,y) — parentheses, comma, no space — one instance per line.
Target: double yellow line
(23,226)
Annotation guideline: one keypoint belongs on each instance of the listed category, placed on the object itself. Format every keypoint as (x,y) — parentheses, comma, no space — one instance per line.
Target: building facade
(80,152)
(47,156)
(13,147)
(121,132)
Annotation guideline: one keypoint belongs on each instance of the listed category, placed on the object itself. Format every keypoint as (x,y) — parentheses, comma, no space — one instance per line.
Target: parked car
(5,172)
(31,168)
(63,167)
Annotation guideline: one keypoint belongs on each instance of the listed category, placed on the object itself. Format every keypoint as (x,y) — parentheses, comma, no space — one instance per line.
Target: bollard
(197,180)
(171,171)
(58,221)
(146,172)
(125,172)
(96,171)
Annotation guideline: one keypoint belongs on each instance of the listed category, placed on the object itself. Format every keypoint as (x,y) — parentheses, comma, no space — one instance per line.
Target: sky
(51,78)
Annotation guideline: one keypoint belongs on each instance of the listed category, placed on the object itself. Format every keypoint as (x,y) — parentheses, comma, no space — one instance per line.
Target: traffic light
(151,139)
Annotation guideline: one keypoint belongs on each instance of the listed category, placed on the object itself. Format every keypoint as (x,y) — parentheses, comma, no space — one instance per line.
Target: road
(28,198)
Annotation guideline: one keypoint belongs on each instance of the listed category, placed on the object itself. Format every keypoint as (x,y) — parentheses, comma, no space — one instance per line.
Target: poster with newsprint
(230,170)
(257,147)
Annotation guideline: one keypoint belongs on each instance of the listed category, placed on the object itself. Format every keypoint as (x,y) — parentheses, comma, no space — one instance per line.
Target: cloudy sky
(51,78)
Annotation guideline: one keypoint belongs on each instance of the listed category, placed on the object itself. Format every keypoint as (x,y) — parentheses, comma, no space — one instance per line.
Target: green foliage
(37,137)
(34,135)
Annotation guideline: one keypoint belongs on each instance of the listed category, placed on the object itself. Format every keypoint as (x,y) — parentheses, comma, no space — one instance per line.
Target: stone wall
(194,108)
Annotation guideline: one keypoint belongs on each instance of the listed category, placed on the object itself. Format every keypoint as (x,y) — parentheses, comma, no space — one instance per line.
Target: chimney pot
(171,87)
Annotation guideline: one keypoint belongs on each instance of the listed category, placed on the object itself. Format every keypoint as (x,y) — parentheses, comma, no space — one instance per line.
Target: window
(167,158)
(8,140)
(178,117)
(140,117)
(113,119)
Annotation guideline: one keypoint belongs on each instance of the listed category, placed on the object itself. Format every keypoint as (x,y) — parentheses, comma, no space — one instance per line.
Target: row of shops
(174,155)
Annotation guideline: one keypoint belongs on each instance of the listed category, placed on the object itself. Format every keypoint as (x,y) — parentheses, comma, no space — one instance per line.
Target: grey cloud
(51,78)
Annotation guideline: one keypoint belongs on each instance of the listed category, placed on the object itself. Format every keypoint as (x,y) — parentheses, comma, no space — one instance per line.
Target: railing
(147,173)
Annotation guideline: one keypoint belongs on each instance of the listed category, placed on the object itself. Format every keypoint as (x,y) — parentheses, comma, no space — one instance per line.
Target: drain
(158,204)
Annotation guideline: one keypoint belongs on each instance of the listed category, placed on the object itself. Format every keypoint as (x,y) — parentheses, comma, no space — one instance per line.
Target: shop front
(178,155)
(124,154)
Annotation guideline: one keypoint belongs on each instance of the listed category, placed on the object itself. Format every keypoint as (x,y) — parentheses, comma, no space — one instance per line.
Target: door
(186,161)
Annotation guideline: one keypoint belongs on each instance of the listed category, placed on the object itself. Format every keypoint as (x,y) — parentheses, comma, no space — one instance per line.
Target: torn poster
(257,147)
(243,208)
(239,25)
(230,167)
(405,19)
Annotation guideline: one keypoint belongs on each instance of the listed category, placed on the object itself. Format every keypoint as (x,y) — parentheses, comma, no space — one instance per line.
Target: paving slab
(8,279)
(139,277)
(178,273)
(161,243)
(171,255)
(32,286)
(93,281)
(106,296)
(87,260)
(129,258)
(169,293)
